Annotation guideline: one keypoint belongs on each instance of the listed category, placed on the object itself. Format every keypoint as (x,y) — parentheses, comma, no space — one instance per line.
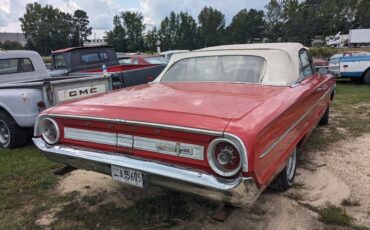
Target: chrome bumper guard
(238,192)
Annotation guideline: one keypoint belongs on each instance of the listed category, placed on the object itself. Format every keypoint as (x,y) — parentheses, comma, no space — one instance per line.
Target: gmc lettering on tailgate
(69,94)
(83,92)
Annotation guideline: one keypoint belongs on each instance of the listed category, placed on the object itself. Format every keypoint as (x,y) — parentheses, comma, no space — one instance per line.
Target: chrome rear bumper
(239,192)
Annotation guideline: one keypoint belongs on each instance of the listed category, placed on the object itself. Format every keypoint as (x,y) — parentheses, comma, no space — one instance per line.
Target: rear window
(94,57)
(124,61)
(156,60)
(15,65)
(234,68)
(59,62)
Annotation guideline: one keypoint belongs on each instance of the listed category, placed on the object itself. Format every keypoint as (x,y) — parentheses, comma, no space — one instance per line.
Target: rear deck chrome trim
(139,123)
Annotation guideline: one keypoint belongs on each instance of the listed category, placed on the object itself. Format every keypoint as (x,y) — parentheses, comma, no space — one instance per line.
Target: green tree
(10,45)
(246,26)
(117,36)
(211,27)
(186,32)
(134,27)
(151,39)
(363,14)
(46,28)
(168,32)
(81,30)
(274,21)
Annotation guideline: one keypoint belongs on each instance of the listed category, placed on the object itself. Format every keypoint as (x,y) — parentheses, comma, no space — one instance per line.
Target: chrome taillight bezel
(40,130)
(212,158)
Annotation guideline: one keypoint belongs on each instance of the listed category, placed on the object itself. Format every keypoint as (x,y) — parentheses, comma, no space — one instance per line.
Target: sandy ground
(341,172)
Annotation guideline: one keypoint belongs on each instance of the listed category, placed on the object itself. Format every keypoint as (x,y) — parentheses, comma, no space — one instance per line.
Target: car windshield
(156,60)
(234,68)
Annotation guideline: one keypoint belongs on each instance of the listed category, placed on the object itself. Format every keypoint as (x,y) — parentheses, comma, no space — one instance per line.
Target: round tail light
(224,157)
(49,130)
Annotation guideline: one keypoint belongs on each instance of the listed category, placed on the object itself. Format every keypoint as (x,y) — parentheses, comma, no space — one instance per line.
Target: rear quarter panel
(265,125)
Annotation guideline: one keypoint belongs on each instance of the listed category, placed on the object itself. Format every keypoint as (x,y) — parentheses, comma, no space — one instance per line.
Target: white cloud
(155,10)
(5,6)
(69,6)
(101,12)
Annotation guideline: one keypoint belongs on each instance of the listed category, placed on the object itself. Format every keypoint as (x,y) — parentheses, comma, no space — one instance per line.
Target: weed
(335,216)
(349,202)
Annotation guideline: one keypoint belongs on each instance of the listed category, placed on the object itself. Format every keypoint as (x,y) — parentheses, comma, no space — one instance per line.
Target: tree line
(282,20)
(47,28)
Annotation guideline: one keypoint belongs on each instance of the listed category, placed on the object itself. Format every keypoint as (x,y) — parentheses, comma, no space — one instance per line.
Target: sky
(101,12)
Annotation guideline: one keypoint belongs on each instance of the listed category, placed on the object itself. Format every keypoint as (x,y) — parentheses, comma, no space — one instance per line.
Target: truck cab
(83,58)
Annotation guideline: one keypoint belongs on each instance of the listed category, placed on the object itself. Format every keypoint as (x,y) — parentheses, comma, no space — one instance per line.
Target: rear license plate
(128,176)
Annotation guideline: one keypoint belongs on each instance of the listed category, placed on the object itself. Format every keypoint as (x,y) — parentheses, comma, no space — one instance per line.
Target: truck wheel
(11,135)
(325,118)
(285,179)
(366,78)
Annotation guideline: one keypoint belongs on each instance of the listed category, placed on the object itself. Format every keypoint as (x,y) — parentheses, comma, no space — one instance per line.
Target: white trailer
(359,37)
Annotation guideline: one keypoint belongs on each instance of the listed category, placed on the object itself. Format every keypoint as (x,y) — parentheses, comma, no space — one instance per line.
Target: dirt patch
(341,172)
(349,160)
(102,188)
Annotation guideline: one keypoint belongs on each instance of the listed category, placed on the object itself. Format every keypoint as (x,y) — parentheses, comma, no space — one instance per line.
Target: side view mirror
(323,71)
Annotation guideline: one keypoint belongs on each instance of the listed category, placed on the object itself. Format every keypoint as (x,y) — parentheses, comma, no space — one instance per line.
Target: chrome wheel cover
(4,134)
(292,163)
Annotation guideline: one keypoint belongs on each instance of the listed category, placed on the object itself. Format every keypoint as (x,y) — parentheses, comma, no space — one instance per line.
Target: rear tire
(11,135)
(286,178)
(366,78)
(325,118)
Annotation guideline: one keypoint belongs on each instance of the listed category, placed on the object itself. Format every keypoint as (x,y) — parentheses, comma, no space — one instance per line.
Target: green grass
(26,180)
(349,117)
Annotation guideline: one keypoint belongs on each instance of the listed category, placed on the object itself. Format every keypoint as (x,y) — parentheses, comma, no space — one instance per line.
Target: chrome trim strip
(239,191)
(140,123)
(169,147)
(136,142)
(90,136)
(175,128)
(273,145)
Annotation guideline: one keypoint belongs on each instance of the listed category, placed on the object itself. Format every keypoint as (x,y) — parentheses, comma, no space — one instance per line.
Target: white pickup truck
(353,65)
(26,89)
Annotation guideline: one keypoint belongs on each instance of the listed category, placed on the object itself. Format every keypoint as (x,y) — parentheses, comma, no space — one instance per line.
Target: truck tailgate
(60,91)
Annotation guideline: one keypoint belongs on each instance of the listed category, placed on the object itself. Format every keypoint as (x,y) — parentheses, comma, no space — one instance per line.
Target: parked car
(353,65)
(222,122)
(78,61)
(320,64)
(26,88)
(142,59)
(168,54)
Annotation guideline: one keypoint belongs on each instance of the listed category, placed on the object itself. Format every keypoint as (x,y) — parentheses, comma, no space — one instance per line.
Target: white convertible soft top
(282,59)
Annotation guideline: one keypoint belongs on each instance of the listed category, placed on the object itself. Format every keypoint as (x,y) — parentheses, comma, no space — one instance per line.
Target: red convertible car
(222,123)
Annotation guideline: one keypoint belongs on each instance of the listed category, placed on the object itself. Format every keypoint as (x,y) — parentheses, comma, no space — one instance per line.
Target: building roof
(13,37)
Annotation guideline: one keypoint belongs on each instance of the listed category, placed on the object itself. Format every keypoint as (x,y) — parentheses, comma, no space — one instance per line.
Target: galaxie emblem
(174,148)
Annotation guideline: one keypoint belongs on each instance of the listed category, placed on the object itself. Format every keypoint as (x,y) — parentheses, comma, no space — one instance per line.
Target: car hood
(198,105)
